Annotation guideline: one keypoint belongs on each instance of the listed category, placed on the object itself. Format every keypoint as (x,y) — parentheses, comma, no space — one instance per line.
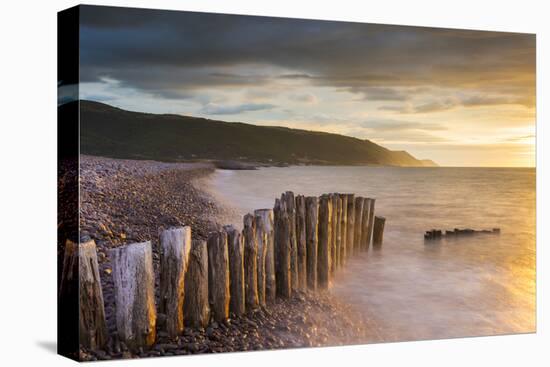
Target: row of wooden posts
(295,247)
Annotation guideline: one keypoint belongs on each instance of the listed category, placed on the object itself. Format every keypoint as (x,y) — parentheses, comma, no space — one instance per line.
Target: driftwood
(378,232)
(301,241)
(93,329)
(343,229)
(350,231)
(175,244)
(359,201)
(235,246)
(134,282)
(264,218)
(261,242)
(324,235)
(282,249)
(250,263)
(218,275)
(371,220)
(312,211)
(365,224)
(288,198)
(196,308)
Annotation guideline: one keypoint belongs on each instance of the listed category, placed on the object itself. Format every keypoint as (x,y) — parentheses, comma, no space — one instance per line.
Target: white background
(28,181)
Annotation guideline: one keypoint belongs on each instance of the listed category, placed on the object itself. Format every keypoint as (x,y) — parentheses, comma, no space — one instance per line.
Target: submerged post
(175,244)
(324,235)
(312,210)
(288,198)
(235,246)
(371,219)
(93,329)
(196,307)
(358,223)
(365,224)
(343,229)
(218,275)
(134,282)
(378,233)
(301,241)
(350,232)
(282,249)
(264,218)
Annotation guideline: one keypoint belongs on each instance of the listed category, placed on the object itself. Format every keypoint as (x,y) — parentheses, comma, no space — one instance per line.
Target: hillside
(112,132)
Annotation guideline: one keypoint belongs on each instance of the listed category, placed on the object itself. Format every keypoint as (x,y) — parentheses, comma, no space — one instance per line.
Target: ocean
(414,289)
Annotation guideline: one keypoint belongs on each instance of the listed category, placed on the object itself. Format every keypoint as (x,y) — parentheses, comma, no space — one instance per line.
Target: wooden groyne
(295,247)
(437,234)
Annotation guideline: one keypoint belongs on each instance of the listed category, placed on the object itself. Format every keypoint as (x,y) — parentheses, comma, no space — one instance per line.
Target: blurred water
(482,285)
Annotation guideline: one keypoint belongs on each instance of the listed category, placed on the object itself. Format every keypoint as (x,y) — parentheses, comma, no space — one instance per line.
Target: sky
(458,97)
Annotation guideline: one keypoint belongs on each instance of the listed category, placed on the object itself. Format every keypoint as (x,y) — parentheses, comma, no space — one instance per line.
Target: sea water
(415,289)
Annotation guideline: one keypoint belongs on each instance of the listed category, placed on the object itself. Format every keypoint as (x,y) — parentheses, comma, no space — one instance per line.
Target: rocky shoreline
(125,201)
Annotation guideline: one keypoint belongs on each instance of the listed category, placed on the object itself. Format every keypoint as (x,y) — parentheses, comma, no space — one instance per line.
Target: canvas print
(234,183)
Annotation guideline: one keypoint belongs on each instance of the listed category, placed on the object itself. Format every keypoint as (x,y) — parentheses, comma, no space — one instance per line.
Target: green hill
(113,132)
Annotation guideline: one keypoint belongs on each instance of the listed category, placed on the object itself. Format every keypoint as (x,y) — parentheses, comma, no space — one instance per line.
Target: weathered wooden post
(312,211)
(365,224)
(378,232)
(334,231)
(301,241)
(282,249)
(350,232)
(93,329)
(324,235)
(134,282)
(250,263)
(264,218)
(218,275)
(358,223)
(288,198)
(196,309)
(343,229)
(337,258)
(175,244)
(235,246)
(261,242)
(371,219)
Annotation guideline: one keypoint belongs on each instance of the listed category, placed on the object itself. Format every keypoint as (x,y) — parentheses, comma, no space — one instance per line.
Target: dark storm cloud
(167,52)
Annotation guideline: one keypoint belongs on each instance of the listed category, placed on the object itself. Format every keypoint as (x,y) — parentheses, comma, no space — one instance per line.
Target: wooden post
(264,218)
(334,231)
(93,329)
(343,229)
(358,223)
(250,263)
(371,219)
(338,246)
(301,241)
(134,285)
(288,198)
(350,231)
(378,232)
(282,249)
(235,246)
(365,224)
(261,242)
(324,235)
(312,211)
(196,309)
(218,275)
(175,244)
(68,311)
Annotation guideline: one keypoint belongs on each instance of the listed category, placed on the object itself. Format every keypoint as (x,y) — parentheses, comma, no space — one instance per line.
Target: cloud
(379,94)
(304,97)
(213,109)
